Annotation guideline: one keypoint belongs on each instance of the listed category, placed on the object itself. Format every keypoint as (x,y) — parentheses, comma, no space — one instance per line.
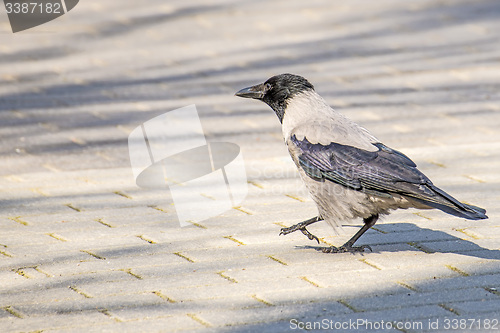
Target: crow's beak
(256,92)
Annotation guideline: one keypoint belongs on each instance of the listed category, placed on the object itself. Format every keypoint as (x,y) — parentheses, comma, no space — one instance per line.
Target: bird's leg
(302,227)
(348,246)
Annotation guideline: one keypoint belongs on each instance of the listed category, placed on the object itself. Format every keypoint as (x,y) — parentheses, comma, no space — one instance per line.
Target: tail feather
(445,202)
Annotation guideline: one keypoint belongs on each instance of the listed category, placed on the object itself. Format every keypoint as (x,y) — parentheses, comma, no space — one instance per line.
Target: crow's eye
(268,86)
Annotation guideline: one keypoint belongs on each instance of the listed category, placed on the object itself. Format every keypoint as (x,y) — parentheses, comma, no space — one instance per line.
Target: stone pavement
(83,249)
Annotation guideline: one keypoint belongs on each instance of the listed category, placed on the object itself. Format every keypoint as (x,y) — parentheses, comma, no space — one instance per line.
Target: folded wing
(382,173)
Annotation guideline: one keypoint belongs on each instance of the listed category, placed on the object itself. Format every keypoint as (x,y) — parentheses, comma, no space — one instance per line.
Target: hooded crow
(349,173)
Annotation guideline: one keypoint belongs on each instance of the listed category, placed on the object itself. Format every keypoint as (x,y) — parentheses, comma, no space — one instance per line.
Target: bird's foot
(347,248)
(286,231)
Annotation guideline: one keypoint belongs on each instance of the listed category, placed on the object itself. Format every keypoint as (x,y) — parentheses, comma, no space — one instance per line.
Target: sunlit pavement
(84,249)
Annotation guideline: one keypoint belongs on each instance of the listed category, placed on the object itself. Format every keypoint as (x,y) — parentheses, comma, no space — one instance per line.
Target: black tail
(445,202)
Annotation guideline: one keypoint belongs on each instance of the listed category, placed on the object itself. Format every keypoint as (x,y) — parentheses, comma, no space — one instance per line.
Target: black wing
(382,173)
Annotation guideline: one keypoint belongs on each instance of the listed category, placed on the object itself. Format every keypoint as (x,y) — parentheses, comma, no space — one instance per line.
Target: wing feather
(382,173)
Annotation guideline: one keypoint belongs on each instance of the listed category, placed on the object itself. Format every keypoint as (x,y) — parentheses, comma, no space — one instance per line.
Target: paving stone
(484,281)
(38,296)
(479,268)
(61,321)
(415,298)
(338,292)
(472,307)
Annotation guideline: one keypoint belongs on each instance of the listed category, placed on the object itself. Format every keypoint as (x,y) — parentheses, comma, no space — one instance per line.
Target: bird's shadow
(399,237)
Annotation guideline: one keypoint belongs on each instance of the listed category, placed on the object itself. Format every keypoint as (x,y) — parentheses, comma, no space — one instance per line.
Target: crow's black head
(277,91)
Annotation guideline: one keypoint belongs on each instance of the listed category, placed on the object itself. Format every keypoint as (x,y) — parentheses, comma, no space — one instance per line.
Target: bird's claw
(347,248)
(309,235)
(286,231)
